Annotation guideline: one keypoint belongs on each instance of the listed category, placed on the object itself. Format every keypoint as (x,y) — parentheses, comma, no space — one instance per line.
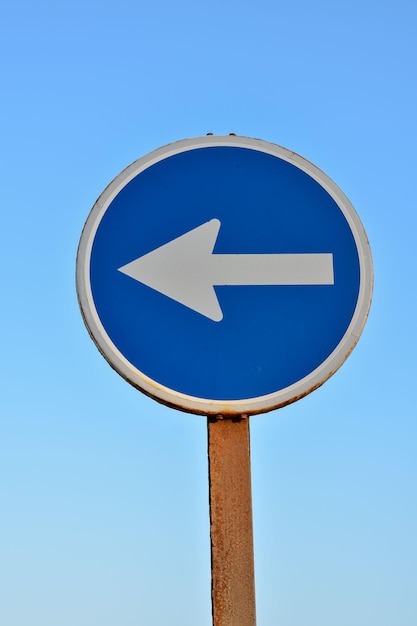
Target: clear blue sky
(103,492)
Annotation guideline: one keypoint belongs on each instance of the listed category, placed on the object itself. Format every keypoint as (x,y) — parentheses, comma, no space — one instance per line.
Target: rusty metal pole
(231,531)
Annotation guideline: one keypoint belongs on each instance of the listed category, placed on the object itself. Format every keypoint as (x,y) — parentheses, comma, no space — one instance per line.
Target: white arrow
(186,270)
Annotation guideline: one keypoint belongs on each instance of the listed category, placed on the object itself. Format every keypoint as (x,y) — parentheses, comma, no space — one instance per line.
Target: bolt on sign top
(224,275)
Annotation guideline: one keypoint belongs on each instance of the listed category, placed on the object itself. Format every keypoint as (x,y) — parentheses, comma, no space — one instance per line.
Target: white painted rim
(193,404)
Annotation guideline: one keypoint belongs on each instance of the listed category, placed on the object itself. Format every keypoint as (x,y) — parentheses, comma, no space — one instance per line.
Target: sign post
(225,276)
(231,533)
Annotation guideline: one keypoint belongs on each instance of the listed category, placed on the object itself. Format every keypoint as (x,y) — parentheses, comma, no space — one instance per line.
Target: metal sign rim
(191,404)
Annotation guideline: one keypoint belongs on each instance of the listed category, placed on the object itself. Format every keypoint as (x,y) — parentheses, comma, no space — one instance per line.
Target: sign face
(224,275)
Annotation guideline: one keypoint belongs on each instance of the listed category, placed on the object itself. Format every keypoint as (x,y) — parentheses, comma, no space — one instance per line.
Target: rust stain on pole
(231,531)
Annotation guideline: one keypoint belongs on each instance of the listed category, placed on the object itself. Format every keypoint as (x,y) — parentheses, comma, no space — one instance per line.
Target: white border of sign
(193,404)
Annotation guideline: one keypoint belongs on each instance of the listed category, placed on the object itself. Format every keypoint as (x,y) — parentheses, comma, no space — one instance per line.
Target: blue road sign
(224,275)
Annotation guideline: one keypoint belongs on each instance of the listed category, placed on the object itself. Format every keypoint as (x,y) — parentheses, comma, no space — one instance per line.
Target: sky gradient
(104,493)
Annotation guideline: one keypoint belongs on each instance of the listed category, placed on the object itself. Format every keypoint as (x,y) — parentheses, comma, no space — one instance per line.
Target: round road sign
(224,275)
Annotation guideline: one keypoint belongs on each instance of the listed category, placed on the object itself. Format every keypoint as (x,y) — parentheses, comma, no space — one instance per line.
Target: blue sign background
(270,336)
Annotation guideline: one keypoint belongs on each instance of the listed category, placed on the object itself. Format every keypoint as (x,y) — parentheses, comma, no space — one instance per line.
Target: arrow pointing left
(186,270)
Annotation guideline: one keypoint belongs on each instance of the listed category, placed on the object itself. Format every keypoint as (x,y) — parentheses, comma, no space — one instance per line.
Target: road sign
(224,275)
